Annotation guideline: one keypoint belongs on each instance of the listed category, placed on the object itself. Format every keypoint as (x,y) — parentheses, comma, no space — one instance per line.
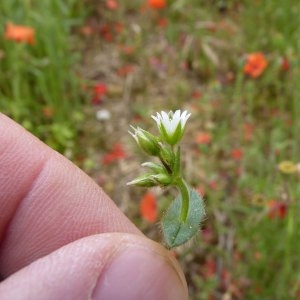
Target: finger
(45,201)
(109,266)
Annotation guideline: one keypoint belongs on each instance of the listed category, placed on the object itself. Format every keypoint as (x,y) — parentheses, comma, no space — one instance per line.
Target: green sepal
(144,180)
(164,135)
(175,231)
(156,168)
(149,143)
(177,135)
(162,178)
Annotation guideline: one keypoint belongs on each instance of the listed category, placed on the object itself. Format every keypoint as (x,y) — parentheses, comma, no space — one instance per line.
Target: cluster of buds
(171,128)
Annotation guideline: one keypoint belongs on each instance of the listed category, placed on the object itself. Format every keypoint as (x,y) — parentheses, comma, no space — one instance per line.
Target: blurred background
(77,73)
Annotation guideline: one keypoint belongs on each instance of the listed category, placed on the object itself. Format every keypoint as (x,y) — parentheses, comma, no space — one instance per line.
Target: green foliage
(174,230)
(41,77)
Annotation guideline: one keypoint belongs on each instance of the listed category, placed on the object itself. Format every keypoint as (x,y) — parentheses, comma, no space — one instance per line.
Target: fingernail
(137,274)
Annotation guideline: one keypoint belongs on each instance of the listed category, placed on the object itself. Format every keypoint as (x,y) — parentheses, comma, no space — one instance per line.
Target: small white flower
(171,125)
(103,115)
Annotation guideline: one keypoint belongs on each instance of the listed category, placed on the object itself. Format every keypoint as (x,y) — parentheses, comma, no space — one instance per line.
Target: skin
(62,237)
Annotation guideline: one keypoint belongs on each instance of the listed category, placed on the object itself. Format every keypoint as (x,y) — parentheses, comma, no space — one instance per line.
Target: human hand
(61,237)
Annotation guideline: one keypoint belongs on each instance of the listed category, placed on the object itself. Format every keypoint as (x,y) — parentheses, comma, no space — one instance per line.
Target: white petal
(176,114)
(184,118)
(164,116)
(154,118)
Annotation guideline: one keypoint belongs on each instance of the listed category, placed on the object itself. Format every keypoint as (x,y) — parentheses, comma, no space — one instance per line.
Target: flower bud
(156,168)
(145,180)
(171,125)
(162,179)
(146,141)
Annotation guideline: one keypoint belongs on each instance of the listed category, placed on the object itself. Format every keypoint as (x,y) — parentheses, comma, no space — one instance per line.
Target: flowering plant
(182,219)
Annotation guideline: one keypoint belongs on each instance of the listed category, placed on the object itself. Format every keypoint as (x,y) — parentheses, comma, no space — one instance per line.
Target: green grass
(42,76)
(203,47)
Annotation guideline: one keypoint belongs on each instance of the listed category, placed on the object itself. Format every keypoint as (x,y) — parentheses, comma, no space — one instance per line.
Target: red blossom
(157,4)
(118,27)
(19,33)
(106,33)
(237,153)
(197,94)
(255,64)
(111,4)
(148,207)
(276,209)
(203,138)
(210,268)
(117,153)
(285,64)
(162,22)
(104,28)
(99,91)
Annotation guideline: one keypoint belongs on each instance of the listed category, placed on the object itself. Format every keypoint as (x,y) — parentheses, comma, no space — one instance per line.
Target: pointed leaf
(176,232)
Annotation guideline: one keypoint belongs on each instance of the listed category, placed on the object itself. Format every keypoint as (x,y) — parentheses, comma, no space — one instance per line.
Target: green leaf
(175,231)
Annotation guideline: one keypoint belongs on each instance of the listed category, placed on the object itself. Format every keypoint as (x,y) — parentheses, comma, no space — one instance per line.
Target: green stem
(185,196)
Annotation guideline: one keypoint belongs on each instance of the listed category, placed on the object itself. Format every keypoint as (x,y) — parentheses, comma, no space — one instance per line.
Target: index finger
(46,201)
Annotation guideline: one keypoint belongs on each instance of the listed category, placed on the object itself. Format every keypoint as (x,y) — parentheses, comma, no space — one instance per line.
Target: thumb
(109,266)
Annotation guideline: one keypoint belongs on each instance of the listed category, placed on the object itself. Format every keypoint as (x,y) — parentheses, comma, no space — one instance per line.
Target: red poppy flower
(285,64)
(117,153)
(162,22)
(111,4)
(157,4)
(210,268)
(255,64)
(196,94)
(118,27)
(106,32)
(203,138)
(148,207)
(19,33)
(276,209)
(237,154)
(99,91)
